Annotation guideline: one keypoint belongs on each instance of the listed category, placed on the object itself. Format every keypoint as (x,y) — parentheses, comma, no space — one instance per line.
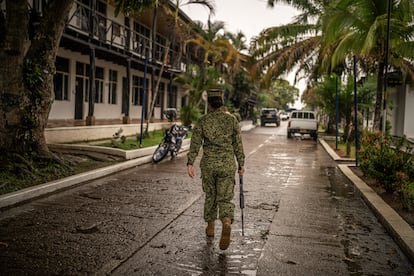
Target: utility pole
(387,46)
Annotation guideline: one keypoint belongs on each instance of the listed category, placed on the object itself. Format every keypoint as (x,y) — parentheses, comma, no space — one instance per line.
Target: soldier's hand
(190,170)
(241,170)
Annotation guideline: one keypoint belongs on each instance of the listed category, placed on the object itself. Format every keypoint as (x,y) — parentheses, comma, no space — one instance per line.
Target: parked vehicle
(171,143)
(284,116)
(302,123)
(269,116)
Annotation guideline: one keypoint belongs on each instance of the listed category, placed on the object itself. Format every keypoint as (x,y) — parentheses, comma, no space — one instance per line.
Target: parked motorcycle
(171,143)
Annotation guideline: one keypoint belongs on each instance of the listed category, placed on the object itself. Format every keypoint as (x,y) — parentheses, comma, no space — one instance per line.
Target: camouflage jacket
(219,134)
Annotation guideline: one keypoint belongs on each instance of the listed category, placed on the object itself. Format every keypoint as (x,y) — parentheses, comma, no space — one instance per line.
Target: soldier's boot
(225,233)
(210,229)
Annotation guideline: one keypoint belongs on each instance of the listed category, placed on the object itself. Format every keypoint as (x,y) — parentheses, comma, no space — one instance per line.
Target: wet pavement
(302,216)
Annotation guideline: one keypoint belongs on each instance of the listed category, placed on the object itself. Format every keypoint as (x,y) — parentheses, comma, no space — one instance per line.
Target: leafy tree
(325,36)
(28,48)
(137,6)
(240,94)
(195,81)
(238,40)
(294,46)
(360,28)
(279,95)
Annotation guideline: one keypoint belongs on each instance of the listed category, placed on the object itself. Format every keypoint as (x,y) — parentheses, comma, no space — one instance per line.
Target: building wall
(401,111)
(409,112)
(65,109)
(395,113)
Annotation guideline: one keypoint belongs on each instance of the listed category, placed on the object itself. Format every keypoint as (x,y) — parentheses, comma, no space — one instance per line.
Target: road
(302,217)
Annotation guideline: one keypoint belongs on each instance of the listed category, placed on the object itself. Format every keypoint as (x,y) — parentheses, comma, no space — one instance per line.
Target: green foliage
(387,160)
(19,172)
(280,94)
(131,143)
(189,114)
(133,6)
(34,75)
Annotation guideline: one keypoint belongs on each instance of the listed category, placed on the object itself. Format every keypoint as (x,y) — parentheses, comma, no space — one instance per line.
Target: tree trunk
(156,88)
(26,75)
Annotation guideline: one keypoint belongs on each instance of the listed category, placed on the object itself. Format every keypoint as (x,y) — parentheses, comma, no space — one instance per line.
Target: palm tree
(296,45)
(137,6)
(360,28)
(238,40)
(215,50)
(176,33)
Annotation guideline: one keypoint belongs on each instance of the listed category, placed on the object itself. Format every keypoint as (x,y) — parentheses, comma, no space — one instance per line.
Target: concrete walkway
(135,158)
(395,225)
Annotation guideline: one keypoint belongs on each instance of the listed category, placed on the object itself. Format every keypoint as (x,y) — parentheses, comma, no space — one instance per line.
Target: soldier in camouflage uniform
(219,134)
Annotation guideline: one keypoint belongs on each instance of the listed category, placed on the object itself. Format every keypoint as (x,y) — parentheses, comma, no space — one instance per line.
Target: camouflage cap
(215,93)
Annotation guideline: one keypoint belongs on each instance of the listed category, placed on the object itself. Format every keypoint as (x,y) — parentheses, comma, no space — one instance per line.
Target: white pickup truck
(302,123)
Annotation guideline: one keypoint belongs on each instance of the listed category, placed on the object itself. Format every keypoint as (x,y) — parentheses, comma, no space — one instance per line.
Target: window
(172,96)
(160,43)
(82,14)
(99,84)
(138,90)
(113,77)
(82,71)
(135,90)
(101,20)
(116,29)
(61,79)
(160,95)
(141,38)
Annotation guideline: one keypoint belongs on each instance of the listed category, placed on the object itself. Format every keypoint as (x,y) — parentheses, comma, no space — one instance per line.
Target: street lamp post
(387,46)
(144,100)
(337,112)
(356,114)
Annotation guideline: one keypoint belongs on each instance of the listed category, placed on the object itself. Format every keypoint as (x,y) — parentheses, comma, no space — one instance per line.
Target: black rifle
(242,203)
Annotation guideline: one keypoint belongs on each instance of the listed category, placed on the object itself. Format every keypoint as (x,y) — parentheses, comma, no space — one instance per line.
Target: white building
(117,54)
(401,114)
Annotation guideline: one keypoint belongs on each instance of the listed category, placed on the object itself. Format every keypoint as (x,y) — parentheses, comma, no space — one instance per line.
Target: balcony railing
(109,32)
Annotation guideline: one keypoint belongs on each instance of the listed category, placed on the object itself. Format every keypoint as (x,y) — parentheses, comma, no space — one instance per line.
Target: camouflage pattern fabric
(219,134)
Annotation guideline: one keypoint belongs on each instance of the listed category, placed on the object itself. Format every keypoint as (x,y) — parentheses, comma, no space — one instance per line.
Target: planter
(407,201)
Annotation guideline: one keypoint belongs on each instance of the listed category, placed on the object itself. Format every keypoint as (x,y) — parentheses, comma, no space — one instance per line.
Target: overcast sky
(248,16)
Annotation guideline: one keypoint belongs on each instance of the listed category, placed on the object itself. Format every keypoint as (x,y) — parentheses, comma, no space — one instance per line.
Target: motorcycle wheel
(160,152)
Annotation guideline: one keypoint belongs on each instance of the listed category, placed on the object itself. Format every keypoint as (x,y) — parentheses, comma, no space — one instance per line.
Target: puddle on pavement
(340,185)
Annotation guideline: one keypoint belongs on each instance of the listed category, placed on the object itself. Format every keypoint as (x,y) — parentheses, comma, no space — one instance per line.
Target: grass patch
(341,151)
(133,142)
(17,174)
(153,138)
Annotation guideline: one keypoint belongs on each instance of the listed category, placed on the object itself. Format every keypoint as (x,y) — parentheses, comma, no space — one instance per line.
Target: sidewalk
(395,225)
(135,158)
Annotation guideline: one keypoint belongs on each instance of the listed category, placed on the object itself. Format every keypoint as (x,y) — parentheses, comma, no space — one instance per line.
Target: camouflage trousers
(218,186)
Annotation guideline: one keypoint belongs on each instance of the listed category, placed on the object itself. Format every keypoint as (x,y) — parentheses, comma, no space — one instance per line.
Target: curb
(12,199)
(396,226)
(145,156)
(333,154)
(24,195)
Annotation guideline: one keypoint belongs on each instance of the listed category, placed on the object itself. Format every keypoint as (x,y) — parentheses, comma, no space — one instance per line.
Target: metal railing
(108,31)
